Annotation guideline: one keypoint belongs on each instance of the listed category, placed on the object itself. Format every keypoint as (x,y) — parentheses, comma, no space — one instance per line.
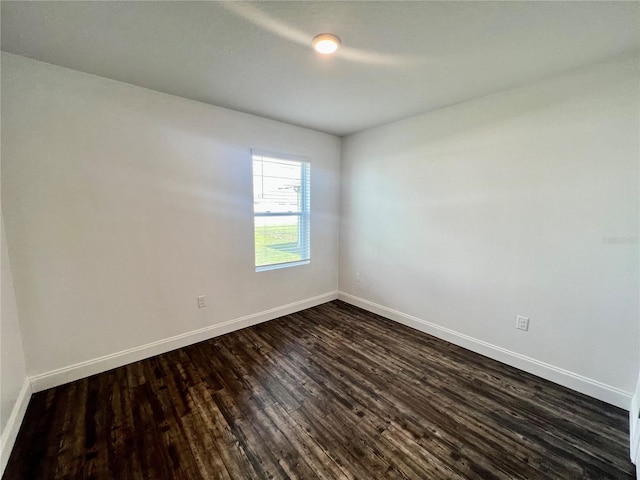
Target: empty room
(320,240)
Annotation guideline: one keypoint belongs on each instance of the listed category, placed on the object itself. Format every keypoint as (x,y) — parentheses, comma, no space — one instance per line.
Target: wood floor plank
(332,392)
(124,460)
(288,455)
(162,391)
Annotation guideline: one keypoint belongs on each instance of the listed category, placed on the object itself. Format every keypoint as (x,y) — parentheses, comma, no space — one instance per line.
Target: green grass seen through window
(274,242)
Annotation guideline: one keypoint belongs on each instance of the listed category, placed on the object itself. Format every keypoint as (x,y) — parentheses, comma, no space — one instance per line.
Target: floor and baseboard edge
(71,373)
(10,432)
(634,428)
(574,381)
(64,375)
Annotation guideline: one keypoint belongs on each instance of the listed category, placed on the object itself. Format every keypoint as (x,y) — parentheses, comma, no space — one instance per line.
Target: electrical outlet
(522,323)
(202,301)
(358,277)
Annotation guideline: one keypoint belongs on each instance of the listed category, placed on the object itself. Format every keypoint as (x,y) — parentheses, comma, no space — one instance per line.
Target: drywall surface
(122,205)
(12,366)
(520,203)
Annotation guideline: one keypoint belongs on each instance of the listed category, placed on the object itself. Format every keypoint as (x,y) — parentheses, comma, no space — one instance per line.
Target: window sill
(277,266)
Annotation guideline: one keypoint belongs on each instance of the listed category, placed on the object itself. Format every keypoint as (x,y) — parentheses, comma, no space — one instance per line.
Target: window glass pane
(277,240)
(279,188)
(278,195)
(282,169)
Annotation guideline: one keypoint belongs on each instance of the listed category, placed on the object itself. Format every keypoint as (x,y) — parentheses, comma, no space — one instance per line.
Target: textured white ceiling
(397,59)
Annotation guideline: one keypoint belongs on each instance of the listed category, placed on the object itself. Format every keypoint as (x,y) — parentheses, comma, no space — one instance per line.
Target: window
(280,210)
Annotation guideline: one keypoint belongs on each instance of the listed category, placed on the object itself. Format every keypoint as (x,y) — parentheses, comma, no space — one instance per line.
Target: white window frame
(304,214)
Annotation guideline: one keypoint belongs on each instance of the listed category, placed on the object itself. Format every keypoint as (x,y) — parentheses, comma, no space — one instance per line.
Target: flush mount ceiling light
(325,43)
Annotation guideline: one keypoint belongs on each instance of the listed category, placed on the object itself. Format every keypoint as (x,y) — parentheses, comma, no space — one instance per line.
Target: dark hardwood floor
(330,392)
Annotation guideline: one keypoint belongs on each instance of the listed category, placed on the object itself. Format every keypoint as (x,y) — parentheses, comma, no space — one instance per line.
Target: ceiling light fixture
(325,43)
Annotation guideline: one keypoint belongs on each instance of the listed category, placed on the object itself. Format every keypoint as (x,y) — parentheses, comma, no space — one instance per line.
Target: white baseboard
(634,428)
(574,381)
(10,433)
(102,364)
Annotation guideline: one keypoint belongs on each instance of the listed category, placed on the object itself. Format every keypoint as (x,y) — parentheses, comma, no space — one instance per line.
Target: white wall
(14,388)
(461,219)
(122,204)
